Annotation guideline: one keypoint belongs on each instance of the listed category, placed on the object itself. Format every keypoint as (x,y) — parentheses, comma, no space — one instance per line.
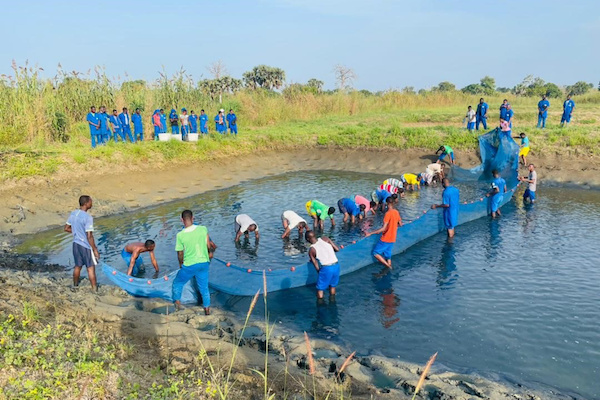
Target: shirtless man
(131,255)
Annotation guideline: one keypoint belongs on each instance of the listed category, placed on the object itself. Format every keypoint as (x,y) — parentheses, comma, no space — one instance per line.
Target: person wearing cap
(174,120)
(94,123)
(193,122)
(232,122)
(185,123)
(126,124)
(243,224)
(138,126)
(156,123)
(220,125)
(291,220)
(116,126)
(351,209)
(318,212)
(203,122)
(163,121)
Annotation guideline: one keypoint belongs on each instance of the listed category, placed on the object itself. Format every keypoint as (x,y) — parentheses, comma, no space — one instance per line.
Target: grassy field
(423,123)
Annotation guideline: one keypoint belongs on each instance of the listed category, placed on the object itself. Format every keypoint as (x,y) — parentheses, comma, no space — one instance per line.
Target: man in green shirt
(318,212)
(194,251)
(446,150)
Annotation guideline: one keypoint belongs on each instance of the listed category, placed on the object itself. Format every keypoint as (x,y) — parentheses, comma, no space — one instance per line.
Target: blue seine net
(498,151)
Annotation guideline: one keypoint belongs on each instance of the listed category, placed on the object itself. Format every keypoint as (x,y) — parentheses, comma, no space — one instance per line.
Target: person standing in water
(450,203)
(318,212)
(243,224)
(531,184)
(131,254)
(291,220)
(194,252)
(496,193)
(85,252)
(322,255)
(391,221)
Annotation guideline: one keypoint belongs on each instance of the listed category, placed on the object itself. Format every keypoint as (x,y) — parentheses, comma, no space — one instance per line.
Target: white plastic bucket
(192,137)
(164,137)
(176,137)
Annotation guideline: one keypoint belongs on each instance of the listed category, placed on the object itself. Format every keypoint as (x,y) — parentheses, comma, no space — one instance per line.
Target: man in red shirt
(391,221)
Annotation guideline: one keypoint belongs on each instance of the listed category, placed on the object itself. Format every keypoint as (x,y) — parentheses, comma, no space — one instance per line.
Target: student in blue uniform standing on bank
(94,123)
(163,121)
(116,127)
(104,129)
(481,114)
(138,126)
(125,120)
(568,107)
(232,122)
(203,122)
(193,122)
(543,106)
(174,119)
(220,122)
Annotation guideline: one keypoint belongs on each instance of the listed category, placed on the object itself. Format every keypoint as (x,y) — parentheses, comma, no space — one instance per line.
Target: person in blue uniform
(203,122)
(156,123)
(138,126)
(481,114)
(220,122)
(104,128)
(543,106)
(116,127)
(174,120)
(568,107)
(496,194)
(509,115)
(94,123)
(232,122)
(163,121)
(193,122)
(450,202)
(503,109)
(125,121)
(351,210)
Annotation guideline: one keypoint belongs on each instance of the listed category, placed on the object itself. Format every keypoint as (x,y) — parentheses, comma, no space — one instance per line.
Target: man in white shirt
(243,224)
(291,220)
(531,184)
(322,255)
(471,118)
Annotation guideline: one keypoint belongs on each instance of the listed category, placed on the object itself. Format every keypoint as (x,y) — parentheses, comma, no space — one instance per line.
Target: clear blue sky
(389,43)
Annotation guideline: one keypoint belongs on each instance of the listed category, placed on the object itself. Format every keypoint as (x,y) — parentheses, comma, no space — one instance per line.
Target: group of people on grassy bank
(104,127)
(477,117)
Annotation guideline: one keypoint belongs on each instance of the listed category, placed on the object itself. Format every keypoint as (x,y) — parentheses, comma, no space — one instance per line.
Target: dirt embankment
(35,204)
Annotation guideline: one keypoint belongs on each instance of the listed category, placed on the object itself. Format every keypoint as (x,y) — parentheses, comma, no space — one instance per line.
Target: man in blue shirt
(568,107)
(104,129)
(481,114)
(163,121)
(220,122)
(350,209)
(174,119)
(116,126)
(138,126)
(496,193)
(94,123)
(85,252)
(543,106)
(503,109)
(508,115)
(193,122)
(450,204)
(203,122)
(125,120)
(232,121)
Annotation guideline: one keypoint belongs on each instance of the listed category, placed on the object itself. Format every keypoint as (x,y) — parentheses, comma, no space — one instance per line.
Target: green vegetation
(43,129)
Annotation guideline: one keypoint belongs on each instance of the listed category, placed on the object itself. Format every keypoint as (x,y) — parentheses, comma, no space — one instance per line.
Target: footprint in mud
(160,191)
(159,199)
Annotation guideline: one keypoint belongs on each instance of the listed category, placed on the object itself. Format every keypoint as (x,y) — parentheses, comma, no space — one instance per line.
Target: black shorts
(83,256)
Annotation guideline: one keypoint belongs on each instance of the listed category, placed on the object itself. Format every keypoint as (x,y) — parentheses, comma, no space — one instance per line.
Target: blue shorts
(329,276)
(471,126)
(495,201)
(530,194)
(127,258)
(566,118)
(383,249)
(341,207)
(443,155)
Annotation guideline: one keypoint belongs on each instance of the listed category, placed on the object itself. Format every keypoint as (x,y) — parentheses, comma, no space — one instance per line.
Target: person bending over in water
(410,181)
(318,212)
(391,221)
(291,220)
(450,202)
(132,256)
(243,224)
(322,255)
(496,193)
(350,209)
(370,205)
(445,151)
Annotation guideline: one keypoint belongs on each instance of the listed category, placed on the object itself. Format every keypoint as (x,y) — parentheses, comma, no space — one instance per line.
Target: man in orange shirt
(391,221)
